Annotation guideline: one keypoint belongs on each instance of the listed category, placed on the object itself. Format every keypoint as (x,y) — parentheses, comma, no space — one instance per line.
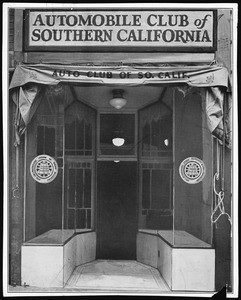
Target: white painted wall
(51,266)
(164,263)
(183,269)
(42,266)
(69,258)
(85,248)
(147,249)
(193,269)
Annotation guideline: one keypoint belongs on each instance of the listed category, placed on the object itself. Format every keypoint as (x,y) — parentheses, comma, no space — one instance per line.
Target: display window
(163,138)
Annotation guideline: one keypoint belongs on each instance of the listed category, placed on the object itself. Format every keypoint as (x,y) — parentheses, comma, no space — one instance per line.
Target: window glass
(156,167)
(79,187)
(120,127)
(79,194)
(79,153)
(161,189)
(79,126)
(43,200)
(63,129)
(193,198)
(157,196)
(156,131)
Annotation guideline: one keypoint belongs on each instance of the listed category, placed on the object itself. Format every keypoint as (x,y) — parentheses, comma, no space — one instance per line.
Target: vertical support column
(222,229)
(15,209)
(18,36)
(174,162)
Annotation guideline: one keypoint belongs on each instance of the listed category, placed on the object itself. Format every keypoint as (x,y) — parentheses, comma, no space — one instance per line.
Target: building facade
(120,143)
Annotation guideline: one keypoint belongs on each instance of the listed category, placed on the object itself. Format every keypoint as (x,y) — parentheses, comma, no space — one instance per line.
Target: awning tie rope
(218,204)
(219,196)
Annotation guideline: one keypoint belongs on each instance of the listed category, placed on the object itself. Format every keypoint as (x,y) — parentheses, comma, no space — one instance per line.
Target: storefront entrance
(116,210)
(119,137)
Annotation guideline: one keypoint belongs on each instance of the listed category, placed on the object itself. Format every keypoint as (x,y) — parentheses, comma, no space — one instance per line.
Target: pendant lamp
(118,101)
(118,142)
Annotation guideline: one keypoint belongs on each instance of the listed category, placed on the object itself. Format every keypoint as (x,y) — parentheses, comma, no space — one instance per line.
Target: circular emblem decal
(44,168)
(192,170)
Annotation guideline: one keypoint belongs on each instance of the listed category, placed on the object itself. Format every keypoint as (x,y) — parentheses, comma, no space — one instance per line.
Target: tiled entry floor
(113,275)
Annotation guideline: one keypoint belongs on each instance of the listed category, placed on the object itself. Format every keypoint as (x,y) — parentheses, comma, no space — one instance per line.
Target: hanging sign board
(192,170)
(44,168)
(121,30)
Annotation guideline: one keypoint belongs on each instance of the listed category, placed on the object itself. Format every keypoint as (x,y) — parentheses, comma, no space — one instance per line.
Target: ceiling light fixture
(118,142)
(166,142)
(118,101)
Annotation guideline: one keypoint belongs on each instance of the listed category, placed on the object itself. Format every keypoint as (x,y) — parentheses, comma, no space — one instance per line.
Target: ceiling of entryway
(99,96)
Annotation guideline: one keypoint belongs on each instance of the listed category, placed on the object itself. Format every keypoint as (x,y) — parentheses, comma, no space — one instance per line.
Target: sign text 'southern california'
(122,29)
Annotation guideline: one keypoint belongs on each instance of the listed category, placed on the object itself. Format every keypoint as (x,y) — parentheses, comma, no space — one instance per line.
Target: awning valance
(198,76)
(28,80)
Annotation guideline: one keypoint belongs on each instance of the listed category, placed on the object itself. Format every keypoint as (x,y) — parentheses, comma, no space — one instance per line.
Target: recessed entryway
(117,210)
(118,275)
